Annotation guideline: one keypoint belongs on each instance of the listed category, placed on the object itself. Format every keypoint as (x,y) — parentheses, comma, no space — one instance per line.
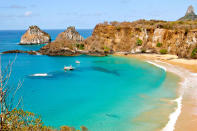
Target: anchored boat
(77,62)
(68,68)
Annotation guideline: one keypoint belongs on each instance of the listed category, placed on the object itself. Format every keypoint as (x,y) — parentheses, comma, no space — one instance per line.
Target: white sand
(184,117)
(188,80)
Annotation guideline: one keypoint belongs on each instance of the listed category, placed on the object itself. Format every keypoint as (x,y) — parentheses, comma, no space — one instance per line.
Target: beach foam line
(162,67)
(174,116)
(41,74)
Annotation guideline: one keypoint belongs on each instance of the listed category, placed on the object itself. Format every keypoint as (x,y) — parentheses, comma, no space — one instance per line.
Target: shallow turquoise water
(103,93)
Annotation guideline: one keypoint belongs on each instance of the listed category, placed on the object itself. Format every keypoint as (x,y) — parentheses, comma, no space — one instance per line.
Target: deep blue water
(102,93)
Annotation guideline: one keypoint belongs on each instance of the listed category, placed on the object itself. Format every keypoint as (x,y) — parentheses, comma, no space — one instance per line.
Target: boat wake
(40,75)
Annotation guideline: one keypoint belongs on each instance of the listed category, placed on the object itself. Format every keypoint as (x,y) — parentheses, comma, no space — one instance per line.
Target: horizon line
(45,29)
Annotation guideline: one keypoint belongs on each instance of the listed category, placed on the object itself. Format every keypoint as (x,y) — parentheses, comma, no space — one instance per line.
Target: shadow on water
(112,116)
(101,69)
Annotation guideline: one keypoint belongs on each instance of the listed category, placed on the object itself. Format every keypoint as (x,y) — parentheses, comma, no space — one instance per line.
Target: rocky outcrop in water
(67,43)
(19,51)
(190,14)
(70,34)
(34,35)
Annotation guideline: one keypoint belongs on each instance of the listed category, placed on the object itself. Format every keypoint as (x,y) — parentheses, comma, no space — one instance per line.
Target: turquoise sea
(102,93)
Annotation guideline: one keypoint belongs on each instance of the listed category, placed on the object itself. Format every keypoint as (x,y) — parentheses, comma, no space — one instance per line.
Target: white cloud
(28,13)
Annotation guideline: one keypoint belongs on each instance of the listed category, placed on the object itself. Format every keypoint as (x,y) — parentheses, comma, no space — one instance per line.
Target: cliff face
(177,38)
(67,43)
(145,37)
(34,35)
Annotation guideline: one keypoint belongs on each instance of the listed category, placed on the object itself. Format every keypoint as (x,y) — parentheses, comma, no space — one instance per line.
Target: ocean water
(102,93)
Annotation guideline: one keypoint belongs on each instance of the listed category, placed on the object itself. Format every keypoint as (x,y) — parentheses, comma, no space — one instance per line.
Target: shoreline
(186,70)
(174,115)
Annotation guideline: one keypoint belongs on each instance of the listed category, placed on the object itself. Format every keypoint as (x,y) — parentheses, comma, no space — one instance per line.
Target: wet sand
(184,117)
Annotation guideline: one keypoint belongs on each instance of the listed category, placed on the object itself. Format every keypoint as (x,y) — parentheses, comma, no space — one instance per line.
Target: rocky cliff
(190,14)
(177,38)
(34,35)
(67,43)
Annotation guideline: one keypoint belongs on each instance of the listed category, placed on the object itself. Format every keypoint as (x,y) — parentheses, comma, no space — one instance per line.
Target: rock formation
(20,51)
(177,38)
(67,43)
(34,35)
(190,14)
(70,34)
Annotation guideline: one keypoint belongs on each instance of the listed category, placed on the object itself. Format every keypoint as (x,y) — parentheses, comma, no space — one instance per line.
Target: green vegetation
(163,51)
(106,49)
(80,46)
(139,42)
(143,51)
(118,28)
(22,120)
(159,44)
(114,23)
(194,53)
(180,22)
(186,31)
(25,121)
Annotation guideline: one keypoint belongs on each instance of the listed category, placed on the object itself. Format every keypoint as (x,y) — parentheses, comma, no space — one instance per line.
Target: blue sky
(85,14)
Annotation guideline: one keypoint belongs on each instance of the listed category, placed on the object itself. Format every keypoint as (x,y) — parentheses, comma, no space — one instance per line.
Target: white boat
(77,62)
(68,68)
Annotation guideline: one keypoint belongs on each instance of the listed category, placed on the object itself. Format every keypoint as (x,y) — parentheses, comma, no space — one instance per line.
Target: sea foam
(174,116)
(162,67)
(41,74)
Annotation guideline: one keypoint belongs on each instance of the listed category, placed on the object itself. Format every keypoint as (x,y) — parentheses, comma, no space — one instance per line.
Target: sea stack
(67,43)
(34,35)
(70,34)
(190,14)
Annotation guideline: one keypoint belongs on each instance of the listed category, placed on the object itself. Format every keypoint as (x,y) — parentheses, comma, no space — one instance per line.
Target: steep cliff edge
(177,38)
(67,43)
(34,35)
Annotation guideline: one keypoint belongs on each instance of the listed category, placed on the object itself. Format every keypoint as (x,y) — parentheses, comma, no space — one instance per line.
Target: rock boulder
(34,35)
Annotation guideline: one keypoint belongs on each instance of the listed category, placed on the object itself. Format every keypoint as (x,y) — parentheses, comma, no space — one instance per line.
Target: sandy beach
(184,116)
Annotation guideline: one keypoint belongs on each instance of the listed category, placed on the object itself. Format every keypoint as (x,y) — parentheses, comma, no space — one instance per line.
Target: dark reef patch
(101,69)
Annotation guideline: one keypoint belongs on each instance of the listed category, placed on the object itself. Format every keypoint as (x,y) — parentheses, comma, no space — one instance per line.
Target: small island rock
(70,34)
(66,44)
(34,35)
